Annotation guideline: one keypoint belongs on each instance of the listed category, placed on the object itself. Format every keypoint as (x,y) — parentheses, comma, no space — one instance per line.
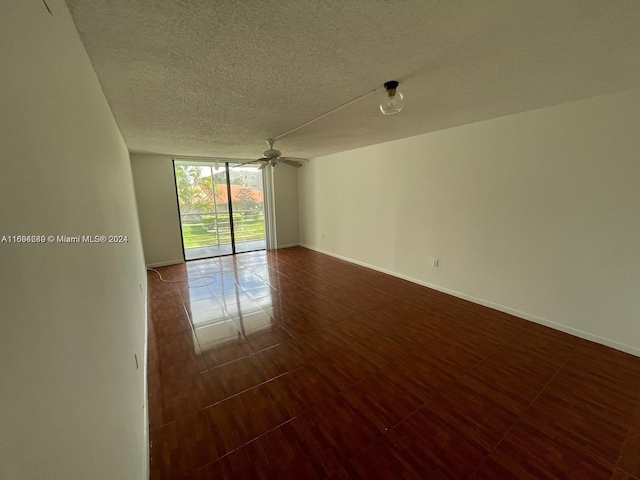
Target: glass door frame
(229,163)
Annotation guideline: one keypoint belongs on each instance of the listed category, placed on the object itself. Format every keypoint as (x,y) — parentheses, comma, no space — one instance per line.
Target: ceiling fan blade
(289,161)
(295,159)
(264,165)
(251,161)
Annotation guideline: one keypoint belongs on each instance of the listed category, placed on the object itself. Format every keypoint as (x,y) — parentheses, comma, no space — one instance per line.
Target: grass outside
(247,228)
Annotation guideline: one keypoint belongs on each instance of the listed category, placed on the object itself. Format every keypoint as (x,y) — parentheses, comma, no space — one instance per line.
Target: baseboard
(289,245)
(164,264)
(496,306)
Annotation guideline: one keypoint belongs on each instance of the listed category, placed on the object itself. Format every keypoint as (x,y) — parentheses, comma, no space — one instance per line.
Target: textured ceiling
(216,78)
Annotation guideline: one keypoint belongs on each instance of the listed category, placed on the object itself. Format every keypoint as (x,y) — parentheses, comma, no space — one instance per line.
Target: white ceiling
(216,78)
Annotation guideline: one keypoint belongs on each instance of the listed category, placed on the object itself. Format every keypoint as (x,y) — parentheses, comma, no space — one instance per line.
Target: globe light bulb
(393,100)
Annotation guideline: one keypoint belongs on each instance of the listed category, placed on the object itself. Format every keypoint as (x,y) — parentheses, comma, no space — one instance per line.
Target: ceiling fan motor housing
(272,153)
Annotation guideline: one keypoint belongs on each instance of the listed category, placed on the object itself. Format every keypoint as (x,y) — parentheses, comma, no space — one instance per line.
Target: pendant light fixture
(393,100)
(392,103)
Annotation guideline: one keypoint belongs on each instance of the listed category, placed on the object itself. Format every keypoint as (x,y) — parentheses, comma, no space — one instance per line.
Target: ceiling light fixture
(392,104)
(393,100)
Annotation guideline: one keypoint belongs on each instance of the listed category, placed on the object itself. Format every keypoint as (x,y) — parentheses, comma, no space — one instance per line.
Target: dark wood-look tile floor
(296,365)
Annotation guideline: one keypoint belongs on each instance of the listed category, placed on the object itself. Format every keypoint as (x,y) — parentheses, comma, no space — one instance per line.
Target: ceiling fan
(273,157)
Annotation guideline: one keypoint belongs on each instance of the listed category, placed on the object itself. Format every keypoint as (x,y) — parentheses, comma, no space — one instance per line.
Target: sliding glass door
(247,205)
(221,208)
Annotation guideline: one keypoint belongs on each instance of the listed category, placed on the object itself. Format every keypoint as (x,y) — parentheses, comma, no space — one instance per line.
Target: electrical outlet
(436,262)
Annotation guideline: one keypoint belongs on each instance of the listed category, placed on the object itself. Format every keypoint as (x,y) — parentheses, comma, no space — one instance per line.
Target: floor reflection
(226,300)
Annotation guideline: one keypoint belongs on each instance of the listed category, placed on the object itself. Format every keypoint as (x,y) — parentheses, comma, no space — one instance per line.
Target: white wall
(72,402)
(537,214)
(158,209)
(285,179)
